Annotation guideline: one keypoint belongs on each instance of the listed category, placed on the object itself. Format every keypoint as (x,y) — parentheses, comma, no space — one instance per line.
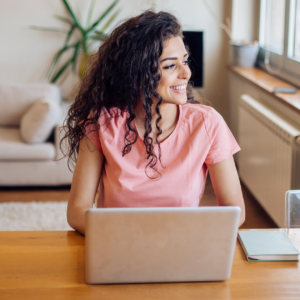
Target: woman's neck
(169,113)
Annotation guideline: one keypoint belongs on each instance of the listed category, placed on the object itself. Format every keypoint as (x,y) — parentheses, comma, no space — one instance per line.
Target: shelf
(267,83)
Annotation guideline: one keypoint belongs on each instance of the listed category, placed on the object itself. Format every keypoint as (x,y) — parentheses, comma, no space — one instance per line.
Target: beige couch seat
(13,148)
(29,114)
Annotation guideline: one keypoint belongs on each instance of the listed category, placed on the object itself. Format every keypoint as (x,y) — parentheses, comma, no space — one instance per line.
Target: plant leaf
(78,14)
(63,19)
(49,29)
(61,70)
(57,57)
(103,15)
(72,15)
(97,33)
(97,36)
(110,20)
(69,34)
(75,56)
(90,13)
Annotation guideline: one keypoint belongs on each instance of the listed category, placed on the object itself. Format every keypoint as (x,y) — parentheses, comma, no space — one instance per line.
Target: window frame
(280,65)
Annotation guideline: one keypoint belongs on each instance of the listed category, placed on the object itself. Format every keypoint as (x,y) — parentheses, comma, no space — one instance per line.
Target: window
(279,38)
(273,32)
(295,31)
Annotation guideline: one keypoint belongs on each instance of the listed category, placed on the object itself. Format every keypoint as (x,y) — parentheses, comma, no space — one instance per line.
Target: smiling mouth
(178,88)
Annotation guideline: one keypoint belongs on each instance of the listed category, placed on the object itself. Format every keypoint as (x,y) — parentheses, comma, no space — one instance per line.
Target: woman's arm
(84,184)
(226,184)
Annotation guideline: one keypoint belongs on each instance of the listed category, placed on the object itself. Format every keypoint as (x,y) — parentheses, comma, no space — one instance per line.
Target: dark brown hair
(125,69)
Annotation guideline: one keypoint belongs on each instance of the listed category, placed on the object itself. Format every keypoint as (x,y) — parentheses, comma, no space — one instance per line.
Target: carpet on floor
(28,216)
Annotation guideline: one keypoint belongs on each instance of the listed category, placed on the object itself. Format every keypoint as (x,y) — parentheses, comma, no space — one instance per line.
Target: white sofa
(27,156)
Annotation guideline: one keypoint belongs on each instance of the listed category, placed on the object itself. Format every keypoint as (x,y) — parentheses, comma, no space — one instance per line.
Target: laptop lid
(177,244)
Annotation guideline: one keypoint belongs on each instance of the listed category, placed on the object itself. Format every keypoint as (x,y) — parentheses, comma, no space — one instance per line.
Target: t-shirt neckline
(173,133)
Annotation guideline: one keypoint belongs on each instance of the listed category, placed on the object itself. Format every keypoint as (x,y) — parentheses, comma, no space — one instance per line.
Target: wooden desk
(50,265)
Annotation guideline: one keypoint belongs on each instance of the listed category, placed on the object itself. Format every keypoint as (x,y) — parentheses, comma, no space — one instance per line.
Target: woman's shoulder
(113,116)
(199,113)
(113,112)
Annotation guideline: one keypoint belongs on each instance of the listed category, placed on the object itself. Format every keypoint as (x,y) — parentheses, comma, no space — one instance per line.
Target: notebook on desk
(266,245)
(134,245)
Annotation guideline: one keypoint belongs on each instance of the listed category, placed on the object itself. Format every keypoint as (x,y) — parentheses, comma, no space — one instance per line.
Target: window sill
(267,83)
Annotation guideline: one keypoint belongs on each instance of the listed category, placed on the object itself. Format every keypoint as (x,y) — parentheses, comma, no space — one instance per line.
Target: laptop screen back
(131,245)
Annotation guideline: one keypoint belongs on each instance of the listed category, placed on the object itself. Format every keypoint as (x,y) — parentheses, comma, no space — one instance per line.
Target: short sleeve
(222,142)
(92,132)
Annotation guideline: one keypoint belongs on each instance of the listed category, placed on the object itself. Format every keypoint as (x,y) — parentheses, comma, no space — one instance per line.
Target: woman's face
(175,72)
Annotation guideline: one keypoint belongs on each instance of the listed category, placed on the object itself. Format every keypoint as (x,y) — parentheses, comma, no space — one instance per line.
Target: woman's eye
(186,62)
(169,67)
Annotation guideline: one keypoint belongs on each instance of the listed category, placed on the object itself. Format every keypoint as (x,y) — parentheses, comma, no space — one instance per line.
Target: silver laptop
(178,244)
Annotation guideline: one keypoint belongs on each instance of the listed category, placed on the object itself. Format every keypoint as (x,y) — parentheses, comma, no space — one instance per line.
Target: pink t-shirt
(201,137)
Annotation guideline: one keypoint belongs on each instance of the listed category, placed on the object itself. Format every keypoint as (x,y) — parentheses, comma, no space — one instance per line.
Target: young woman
(132,127)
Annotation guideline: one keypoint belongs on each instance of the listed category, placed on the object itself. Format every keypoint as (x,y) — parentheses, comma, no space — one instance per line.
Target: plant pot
(244,56)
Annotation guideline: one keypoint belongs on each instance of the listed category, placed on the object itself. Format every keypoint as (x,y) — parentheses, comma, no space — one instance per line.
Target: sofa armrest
(59,132)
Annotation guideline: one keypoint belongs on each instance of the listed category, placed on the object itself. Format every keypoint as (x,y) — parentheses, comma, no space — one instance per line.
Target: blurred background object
(80,38)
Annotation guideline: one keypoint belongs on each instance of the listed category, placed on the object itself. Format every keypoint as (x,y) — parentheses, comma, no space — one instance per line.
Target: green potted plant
(80,39)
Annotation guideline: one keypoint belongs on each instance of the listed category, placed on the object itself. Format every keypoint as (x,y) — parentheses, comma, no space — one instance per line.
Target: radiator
(269,163)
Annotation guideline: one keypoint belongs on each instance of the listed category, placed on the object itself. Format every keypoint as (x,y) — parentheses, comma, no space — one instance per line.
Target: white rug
(20,216)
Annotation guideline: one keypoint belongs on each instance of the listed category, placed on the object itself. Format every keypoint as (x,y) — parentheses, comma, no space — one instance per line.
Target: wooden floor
(256,217)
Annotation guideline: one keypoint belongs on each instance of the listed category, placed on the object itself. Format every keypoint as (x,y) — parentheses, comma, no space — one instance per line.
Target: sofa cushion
(16,98)
(39,120)
(13,148)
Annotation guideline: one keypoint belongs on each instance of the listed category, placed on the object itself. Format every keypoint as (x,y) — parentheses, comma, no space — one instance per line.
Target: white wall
(193,14)
(245,20)
(26,54)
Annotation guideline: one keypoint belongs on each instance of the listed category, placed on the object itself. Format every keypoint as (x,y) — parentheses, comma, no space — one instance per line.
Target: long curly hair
(125,69)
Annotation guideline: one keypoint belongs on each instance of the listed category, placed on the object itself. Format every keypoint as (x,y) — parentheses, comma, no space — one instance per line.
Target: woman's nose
(185,72)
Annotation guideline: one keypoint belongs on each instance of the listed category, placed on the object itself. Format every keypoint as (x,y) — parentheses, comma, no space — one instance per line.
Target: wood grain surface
(50,265)
(267,83)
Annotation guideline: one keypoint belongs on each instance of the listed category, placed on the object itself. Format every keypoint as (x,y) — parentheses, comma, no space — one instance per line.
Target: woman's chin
(177,101)
(181,101)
